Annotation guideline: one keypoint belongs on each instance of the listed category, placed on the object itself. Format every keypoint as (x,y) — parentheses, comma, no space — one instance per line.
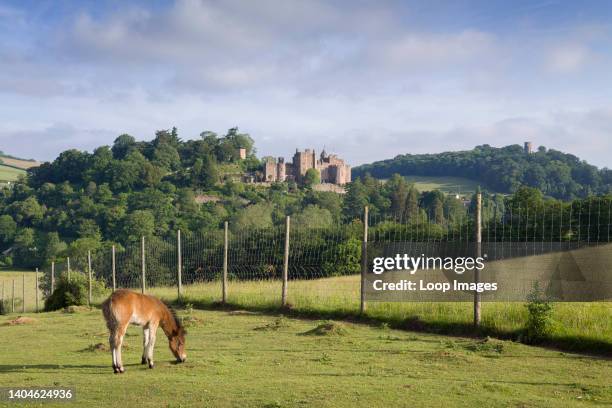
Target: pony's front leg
(145,343)
(151,344)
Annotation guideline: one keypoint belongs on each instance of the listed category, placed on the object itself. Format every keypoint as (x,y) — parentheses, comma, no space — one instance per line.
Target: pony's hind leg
(145,343)
(113,348)
(118,339)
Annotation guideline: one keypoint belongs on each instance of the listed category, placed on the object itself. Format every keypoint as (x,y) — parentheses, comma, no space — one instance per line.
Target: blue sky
(367,80)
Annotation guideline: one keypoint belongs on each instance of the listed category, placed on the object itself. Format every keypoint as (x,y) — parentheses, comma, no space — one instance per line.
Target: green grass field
(577,326)
(246,359)
(452,185)
(585,327)
(10,173)
(6,284)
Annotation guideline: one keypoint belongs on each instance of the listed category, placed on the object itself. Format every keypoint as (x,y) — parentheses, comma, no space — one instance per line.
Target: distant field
(22,164)
(9,173)
(446,184)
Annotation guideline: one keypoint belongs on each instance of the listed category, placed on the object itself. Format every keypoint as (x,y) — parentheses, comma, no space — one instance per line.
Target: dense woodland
(88,201)
(504,170)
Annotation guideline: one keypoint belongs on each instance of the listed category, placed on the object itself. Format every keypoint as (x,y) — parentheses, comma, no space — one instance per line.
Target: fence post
(68,266)
(23,293)
(286,261)
(52,276)
(179,266)
(113,268)
(142,262)
(36,289)
(3,299)
(225,256)
(13,298)
(89,277)
(478,231)
(364,261)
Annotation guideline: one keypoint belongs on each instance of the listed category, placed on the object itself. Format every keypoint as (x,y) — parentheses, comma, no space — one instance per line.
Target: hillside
(446,184)
(20,163)
(8,173)
(504,169)
(12,167)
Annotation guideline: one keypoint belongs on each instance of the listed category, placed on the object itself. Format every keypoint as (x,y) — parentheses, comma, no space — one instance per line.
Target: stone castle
(331,168)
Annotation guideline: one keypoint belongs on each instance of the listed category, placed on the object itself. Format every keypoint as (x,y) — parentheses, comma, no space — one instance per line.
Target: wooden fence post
(13,298)
(225,259)
(364,261)
(142,262)
(68,266)
(36,289)
(478,231)
(52,276)
(286,261)
(3,299)
(113,268)
(89,277)
(179,266)
(23,293)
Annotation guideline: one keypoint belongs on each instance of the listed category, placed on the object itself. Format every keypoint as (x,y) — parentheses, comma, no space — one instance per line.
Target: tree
(312,177)
(204,173)
(397,189)
(8,228)
(438,211)
(313,217)
(355,200)
(137,224)
(412,204)
(122,145)
(253,216)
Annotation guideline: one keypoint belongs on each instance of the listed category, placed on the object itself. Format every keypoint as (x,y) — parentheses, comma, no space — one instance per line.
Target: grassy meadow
(583,326)
(250,359)
(452,185)
(577,326)
(8,173)
(7,276)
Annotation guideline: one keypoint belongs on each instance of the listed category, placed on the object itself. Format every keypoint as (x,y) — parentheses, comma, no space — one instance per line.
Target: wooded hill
(556,174)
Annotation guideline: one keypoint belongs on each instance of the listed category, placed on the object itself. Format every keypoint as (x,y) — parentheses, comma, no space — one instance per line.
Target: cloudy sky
(366,79)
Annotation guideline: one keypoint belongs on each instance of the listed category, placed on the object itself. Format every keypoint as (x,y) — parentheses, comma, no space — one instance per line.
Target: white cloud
(368,80)
(568,58)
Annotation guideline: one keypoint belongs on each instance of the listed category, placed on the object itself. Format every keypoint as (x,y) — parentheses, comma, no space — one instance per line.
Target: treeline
(89,201)
(504,170)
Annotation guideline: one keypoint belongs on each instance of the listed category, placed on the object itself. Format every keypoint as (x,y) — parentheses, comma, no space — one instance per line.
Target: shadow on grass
(575,344)
(7,368)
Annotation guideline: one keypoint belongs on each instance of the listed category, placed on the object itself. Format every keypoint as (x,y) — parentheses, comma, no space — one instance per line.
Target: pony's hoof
(143,361)
(121,370)
(151,365)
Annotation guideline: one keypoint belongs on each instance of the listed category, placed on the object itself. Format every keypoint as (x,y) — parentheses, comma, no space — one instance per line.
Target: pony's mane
(177,320)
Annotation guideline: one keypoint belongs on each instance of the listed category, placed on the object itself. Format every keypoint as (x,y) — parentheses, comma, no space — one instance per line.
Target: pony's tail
(109,316)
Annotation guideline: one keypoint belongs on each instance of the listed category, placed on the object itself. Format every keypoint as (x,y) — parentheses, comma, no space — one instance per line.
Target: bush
(539,318)
(73,292)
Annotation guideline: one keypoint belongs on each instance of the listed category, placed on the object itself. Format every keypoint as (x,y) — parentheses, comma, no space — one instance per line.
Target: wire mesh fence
(323,263)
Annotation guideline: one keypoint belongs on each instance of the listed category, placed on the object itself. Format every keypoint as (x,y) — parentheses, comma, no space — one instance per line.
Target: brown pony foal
(124,307)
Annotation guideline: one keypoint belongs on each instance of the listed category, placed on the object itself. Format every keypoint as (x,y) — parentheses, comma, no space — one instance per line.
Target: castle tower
(280,169)
(270,173)
(528,147)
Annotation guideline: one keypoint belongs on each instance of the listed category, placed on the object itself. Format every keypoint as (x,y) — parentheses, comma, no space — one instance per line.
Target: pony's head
(176,339)
(177,344)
